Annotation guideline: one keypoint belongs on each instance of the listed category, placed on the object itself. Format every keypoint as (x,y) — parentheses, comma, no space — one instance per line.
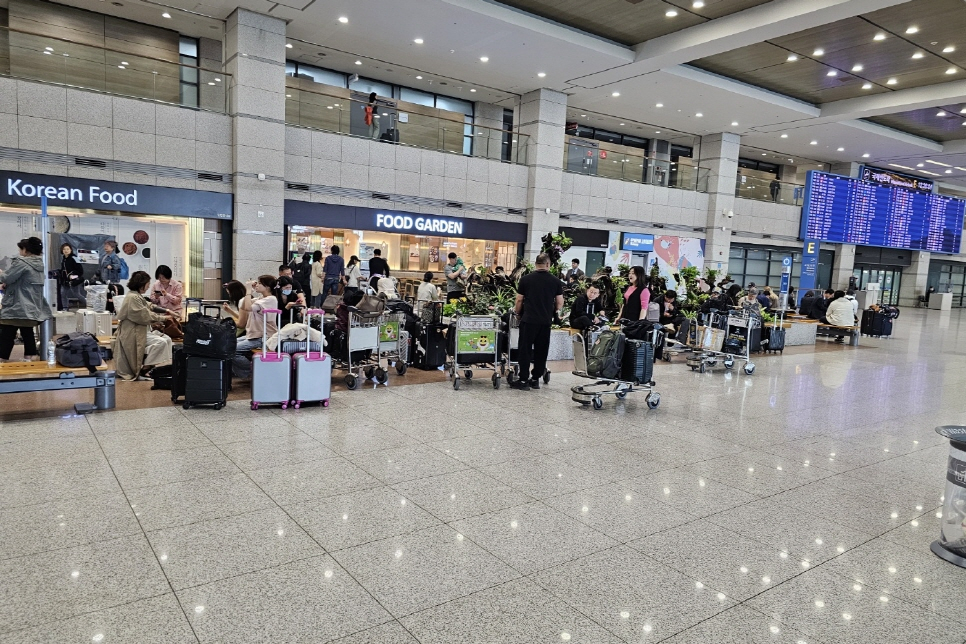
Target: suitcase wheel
(254,405)
(546,377)
(186,405)
(297,404)
(325,403)
(285,405)
(219,405)
(401,368)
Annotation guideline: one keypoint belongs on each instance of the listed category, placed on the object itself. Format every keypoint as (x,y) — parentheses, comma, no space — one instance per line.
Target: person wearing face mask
(289,300)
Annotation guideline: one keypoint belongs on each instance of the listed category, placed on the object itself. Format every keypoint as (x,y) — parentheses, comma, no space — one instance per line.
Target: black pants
(454,295)
(581,322)
(8,334)
(534,347)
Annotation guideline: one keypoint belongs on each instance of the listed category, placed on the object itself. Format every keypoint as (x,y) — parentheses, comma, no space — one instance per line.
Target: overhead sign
(410,223)
(88,194)
(637,242)
(896,179)
(809,276)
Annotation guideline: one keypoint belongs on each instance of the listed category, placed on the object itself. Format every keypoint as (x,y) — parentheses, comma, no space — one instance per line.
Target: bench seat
(830,330)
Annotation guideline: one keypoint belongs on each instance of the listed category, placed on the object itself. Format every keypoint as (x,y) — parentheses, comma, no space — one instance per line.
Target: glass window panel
(415,96)
(454,105)
(758,266)
(188,47)
(757,254)
(290,68)
(323,76)
(736,266)
(368,86)
(759,280)
(736,251)
(775,267)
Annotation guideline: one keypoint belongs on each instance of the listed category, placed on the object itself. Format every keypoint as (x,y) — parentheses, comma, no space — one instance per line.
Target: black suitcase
(178,368)
(433,354)
(207,381)
(774,339)
(876,324)
(637,365)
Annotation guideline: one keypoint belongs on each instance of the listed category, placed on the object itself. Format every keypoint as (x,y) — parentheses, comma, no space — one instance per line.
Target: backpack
(604,360)
(125,272)
(78,350)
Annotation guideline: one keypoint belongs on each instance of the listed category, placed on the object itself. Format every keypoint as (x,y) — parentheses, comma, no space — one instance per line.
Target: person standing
(637,297)
(427,291)
(318,276)
(454,271)
(775,187)
(378,268)
(334,270)
(71,278)
(539,298)
(353,276)
(574,274)
(110,264)
(24,306)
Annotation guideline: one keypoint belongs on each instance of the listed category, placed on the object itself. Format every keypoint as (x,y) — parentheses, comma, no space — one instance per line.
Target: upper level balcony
(624,163)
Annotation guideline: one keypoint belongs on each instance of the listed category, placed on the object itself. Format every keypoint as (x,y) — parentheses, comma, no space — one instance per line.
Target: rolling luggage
(433,353)
(207,381)
(876,324)
(313,373)
(775,339)
(604,356)
(209,336)
(271,371)
(179,368)
(637,365)
(94,322)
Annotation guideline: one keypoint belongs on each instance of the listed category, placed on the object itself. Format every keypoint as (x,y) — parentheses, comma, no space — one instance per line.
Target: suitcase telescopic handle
(309,314)
(278,346)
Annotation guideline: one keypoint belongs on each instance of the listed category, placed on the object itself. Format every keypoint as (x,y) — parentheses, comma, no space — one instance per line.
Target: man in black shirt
(378,267)
(539,298)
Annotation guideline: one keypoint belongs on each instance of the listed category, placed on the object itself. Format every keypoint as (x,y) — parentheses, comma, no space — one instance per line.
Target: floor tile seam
(148,541)
(391,620)
(5,634)
(207,519)
(106,539)
(859,494)
(252,440)
(251,572)
(729,608)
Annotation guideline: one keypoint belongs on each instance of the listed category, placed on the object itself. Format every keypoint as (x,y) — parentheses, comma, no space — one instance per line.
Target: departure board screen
(849,211)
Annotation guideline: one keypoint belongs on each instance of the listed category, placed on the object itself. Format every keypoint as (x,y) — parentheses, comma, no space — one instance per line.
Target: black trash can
(951,544)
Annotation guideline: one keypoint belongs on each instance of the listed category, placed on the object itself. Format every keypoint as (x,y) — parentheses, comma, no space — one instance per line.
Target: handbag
(331,303)
(371,304)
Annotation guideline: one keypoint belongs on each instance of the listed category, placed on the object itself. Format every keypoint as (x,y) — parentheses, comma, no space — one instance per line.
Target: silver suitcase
(271,371)
(313,372)
(97,323)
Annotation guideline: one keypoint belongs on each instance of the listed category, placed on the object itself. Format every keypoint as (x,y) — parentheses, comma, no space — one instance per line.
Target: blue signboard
(637,242)
(809,276)
(786,278)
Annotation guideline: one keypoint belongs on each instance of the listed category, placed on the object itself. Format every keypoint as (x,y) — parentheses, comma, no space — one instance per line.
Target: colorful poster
(671,254)
(476,341)
(389,332)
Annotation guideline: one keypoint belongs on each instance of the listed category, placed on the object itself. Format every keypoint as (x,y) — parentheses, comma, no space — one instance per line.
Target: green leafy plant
(624,270)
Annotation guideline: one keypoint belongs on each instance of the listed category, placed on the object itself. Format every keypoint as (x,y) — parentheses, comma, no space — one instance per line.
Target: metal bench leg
(854,339)
(104,393)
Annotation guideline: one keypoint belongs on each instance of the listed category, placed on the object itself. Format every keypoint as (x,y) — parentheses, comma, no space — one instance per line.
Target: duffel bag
(639,330)
(604,360)
(209,337)
(77,350)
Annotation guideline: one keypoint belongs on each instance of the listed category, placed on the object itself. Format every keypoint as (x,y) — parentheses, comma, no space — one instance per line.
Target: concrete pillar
(848,169)
(543,115)
(255,57)
(488,143)
(914,279)
(842,266)
(719,158)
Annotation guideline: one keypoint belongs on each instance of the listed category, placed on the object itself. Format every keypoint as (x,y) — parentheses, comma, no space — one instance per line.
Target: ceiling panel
(928,123)
(630,21)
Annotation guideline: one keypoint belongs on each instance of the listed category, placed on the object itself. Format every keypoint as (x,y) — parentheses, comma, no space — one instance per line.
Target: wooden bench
(830,330)
(24,377)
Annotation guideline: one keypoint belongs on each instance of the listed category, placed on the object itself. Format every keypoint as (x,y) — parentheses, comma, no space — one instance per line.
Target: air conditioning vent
(698,230)
(766,236)
(514,211)
(297,186)
(208,176)
(90,163)
(613,221)
(453,204)
(382,196)
(658,225)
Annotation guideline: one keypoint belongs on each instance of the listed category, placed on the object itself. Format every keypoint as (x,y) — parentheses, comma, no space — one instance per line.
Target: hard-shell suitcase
(271,370)
(179,367)
(637,365)
(433,344)
(207,381)
(93,322)
(774,340)
(313,373)
(876,324)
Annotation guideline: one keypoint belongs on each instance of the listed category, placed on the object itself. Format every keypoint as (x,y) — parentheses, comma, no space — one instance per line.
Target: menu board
(849,211)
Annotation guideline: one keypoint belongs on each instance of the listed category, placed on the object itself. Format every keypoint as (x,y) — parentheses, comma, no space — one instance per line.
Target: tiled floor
(794,505)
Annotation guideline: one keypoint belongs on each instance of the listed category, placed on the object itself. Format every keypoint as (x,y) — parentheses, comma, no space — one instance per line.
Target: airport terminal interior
(726,235)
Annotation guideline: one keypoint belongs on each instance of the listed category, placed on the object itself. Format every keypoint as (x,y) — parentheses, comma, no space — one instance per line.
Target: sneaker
(535,383)
(522,385)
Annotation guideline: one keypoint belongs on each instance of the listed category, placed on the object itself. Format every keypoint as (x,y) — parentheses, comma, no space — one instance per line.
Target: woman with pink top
(636,297)
(169,295)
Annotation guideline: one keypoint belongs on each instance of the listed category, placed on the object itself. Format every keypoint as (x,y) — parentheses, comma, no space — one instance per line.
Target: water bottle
(51,354)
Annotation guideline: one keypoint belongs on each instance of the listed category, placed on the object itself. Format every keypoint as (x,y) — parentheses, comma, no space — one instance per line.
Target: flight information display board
(849,211)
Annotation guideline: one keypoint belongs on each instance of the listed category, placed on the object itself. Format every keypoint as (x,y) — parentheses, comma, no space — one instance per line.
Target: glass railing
(32,56)
(403,124)
(581,158)
(790,194)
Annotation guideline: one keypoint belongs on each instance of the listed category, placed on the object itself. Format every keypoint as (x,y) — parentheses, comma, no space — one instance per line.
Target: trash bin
(951,544)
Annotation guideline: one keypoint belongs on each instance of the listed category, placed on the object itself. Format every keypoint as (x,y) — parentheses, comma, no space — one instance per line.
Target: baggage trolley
(707,356)
(475,346)
(593,394)
(394,341)
(508,366)
(363,335)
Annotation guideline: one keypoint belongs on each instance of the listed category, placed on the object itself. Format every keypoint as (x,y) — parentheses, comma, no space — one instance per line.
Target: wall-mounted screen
(848,211)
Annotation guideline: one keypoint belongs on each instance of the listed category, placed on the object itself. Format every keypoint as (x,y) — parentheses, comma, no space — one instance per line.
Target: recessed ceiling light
(217,80)
(857,68)
(662,105)
(784,136)
(358,62)
(891,81)
(949,171)
(49,48)
(583,116)
(124,62)
(699,115)
(792,58)
(622,124)
(657,131)
(484,59)
(697,4)
(48,53)
(949,50)
(814,143)
(615,94)
(896,165)
(343,19)
(931,174)
(945,165)
(418,41)
(288,96)
(841,150)
(120,67)
(288,45)
(951,70)
(879,37)
(764,154)
(963,111)
(419,78)
(818,52)
(165,15)
(671,13)
(920,165)
(865,156)
(472,90)
(940,113)
(867,86)
(734,124)
(832,73)
(912,30)
(918,55)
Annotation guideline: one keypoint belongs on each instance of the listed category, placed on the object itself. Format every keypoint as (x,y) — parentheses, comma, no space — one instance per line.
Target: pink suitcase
(271,370)
(313,371)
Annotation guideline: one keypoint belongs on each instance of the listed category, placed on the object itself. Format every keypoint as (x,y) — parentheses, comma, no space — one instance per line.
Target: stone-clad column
(719,157)
(255,53)
(543,115)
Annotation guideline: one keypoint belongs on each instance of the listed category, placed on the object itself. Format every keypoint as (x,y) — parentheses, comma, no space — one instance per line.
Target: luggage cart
(593,394)
(475,346)
(706,356)
(508,366)
(363,335)
(674,347)
(394,341)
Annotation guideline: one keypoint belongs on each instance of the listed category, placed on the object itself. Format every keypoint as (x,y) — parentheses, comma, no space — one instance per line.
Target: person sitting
(670,316)
(386,287)
(253,307)
(135,349)
(285,270)
(808,301)
(820,305)
(586,310)
(772,299)
(289,300)
(839,313)
(168,294)
(763,300)
(850,296)
(427,291)
(750,297)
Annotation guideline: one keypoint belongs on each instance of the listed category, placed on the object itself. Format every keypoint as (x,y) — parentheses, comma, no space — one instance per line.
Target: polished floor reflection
(795,505)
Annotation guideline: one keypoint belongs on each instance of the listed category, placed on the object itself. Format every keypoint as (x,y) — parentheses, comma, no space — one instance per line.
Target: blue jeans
(329,287)
(241,366)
